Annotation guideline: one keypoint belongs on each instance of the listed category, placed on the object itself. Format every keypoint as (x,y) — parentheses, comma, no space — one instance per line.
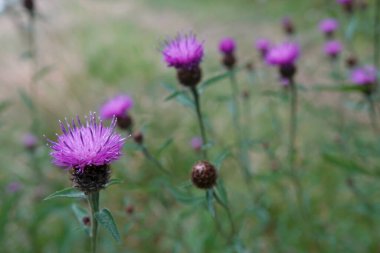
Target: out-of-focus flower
(14,187)
(366,75)
(263,46)
(30,141)
(288,25)
(185,53)
(227,48)
(333,48)
(196,143)
(284,56)
(88,149)
(328,26)
(351,61)
(348,5)
(117,106)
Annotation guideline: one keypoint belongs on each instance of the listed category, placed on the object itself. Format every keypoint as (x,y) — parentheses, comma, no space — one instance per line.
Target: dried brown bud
(189,77)
(138,138)
(203,175)
(91,179)
(125,122)
(86,221)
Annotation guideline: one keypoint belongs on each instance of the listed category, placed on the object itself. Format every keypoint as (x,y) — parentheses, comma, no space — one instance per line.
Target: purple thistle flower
(328,26)
(29,141)
(88,145)
(344,2)
(117,106)
(263,46)
(366,75)
(14,187)
(333,48)
(196,143)
(227,45)
(183,52)
(284,54)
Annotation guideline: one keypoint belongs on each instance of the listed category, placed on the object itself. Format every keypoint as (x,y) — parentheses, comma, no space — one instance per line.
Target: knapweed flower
(118,107)
(366,75)
(333,48)
(263,46)
(227,48)
(29,141)
(204,175)
(284,56)
(196,143)
(288,25)
(328,26)
(87,149)
(227,45)
(184,53)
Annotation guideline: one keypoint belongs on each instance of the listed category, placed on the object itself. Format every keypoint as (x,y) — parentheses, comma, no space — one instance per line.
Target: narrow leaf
(104,217)
(66,193)
(209,201)
(114,181)
(81,213)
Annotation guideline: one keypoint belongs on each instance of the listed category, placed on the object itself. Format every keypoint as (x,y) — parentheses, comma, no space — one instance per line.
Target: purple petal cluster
(196,143)
(117,106)
(90,144)
(263,46)
(185,51)
(366,75)
(227,45)
(333,48)
(284,54)
(344,2)
(328,25)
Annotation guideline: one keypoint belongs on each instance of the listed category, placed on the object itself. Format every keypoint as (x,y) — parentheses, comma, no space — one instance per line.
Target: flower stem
(228,211)
(243,154)
(151,158)
(372,113)
(200,119)
(293,124)
(376,35)
(93,200)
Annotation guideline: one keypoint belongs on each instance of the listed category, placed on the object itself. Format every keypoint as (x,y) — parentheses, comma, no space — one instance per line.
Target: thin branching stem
(195,93)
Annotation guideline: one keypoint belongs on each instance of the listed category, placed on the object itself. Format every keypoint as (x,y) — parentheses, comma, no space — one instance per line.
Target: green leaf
(174,95)
(81,213)
(220,158)
(210,202)
(181,96)
(213,80)
(104,217)
(185,198)
(66,193)
(340,88)
(222,191)
(345,163)
(164,146)
(114,181)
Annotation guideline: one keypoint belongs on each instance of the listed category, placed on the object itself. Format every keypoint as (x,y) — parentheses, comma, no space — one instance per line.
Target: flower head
(88,145)
(333,48)
(283,54)
(204,175)
(196,143)
(117,106)
(366,75)
(328,26)
(184,51)
(29,141)
(344,2)
(263,46)
(227,45)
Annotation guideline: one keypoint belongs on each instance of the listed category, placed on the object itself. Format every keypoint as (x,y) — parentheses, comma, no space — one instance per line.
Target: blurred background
(74,55)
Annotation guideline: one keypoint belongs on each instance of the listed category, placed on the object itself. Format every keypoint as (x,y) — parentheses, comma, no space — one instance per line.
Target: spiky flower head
(328,26)
(227,45)
(183,52)
(284,54)
(366,75)
(117,106)
(333,48)
(86,146)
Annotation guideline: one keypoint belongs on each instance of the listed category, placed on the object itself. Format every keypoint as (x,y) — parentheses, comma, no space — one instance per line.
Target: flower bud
(189,77)
(203,175)
(138,138)
(91,178)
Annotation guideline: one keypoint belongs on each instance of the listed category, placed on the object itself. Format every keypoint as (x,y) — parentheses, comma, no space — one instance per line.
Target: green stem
(200,119)
(151,158)
(243,154)
(372,113)
(376,35)
(228,211)
(93,200)
(293,124)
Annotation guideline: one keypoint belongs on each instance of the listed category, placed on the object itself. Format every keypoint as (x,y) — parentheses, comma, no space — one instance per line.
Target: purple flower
(87,145)
(366,75)
(344,2)
(185,51)
(117,106)
(196,143)
(13,187)
(227,46)
(29,141)
(284,54)
(263,46)
(328,26)
(332,48)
